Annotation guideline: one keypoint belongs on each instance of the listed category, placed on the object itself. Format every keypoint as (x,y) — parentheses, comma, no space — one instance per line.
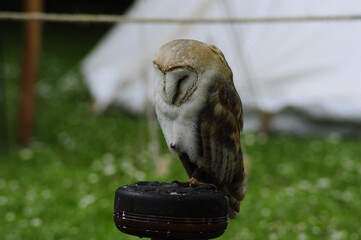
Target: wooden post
(3,115)
(32,35)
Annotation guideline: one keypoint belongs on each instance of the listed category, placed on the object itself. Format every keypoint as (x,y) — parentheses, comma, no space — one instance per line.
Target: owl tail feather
(233,207)
(235,193)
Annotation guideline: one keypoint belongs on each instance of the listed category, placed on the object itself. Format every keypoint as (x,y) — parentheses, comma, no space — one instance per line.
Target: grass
(62,186)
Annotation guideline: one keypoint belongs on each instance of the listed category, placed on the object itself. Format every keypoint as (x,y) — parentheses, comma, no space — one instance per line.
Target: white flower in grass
(244,233)
(337,235)
(323,183)
(25,154)
(266,212)
(249,139)
(28,211)
(66,140)
(281,229)
(302,236)
(347,196)
(109,169)
(348,164)
(132,171)
(273,236)
(139,175)
(315,230)
(290,191)
(86,201)
(10,216)
(44,90)
(108,158)
(36,222)
(285,169)
(3,200)
(46,194)
(31,196)
(14,185)
(93,178)
(263,224)
(305,185)
(301,226)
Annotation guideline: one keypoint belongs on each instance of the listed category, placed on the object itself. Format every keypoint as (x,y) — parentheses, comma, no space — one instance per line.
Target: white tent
(307,75)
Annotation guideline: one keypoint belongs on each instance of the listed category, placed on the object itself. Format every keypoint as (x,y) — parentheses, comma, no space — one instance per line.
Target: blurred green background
(62,186)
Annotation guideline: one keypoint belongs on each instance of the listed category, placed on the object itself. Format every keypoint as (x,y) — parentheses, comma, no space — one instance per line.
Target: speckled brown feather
(220,123)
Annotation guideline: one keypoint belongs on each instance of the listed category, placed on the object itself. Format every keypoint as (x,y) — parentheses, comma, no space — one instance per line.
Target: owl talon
(195,182)
(181,184)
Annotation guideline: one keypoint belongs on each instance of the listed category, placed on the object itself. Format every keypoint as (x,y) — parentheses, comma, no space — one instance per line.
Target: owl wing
(220,124)
(219,146)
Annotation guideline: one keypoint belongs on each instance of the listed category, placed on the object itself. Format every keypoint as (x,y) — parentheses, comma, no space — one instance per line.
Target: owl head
(181,65)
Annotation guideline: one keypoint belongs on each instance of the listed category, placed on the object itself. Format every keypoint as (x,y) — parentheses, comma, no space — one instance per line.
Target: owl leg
(187,164)
(198,176)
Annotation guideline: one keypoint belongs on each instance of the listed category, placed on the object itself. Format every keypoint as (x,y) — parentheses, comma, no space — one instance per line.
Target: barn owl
(200,113)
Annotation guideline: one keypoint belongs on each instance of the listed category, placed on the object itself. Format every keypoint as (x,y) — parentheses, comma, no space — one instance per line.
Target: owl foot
(194,182)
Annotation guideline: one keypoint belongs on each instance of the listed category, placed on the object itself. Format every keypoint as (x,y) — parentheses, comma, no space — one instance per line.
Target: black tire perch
(169,211)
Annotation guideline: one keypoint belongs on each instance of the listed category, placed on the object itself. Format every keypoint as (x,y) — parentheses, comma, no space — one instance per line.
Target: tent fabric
(305,74)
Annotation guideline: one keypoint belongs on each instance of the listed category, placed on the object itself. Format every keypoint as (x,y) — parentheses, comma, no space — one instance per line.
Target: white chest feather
(179,127)
(179,123)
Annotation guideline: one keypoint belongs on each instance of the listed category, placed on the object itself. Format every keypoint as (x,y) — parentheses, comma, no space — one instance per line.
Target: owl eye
(180,82)
(178,88)
(182,78)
